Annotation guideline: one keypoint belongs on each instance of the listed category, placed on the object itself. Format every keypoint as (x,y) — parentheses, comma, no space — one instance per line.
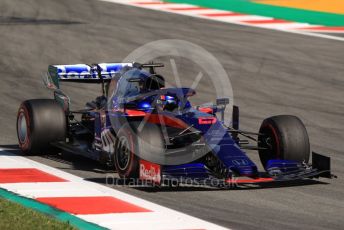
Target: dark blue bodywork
(132,100)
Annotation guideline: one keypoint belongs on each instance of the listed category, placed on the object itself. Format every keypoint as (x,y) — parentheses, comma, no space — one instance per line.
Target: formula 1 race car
(152,133)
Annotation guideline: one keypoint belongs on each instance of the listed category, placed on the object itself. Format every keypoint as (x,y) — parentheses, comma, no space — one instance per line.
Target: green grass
(14,216)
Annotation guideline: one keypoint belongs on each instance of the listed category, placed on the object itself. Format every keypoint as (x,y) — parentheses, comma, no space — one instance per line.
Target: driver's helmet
(170,102)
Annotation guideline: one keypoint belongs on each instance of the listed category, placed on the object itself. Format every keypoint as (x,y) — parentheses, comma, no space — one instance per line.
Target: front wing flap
(320,167)
(200,175)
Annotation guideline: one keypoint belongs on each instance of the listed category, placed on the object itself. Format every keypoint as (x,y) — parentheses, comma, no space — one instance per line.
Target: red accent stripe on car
(248,181)
(206,110)
(166,120)
(27,175)
(92,205)
(135,113)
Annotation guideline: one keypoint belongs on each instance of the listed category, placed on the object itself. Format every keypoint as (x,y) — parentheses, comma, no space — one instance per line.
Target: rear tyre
(284,137)
(40,122)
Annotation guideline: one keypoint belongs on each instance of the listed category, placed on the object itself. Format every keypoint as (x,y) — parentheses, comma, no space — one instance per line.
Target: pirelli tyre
(40,122)
(125,160)
(132,143)
(284,137)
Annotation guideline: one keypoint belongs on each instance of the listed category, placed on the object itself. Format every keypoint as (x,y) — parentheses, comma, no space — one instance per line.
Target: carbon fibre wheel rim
(123,157)
(22,128)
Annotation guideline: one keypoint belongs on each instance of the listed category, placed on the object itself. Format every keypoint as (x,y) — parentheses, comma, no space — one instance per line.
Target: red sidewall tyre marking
(126,173)
(277,141)
(27,143)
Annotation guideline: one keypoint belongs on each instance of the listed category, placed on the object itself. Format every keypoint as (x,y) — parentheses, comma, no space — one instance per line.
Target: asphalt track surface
(271,72)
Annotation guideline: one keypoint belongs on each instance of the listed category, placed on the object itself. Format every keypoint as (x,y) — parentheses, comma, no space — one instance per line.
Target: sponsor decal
(240,162)
(206,120)
(83,71)
(150,171)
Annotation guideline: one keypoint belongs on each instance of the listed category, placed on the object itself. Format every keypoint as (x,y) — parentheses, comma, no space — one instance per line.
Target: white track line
(284,26)
(161,220)
(164,7)
(240,18)
(160,217)
(52,189)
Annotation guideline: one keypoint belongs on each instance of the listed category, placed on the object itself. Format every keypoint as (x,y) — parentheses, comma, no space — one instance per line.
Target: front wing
(198,174)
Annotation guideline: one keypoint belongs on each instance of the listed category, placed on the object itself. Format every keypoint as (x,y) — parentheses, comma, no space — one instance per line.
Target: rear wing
(97,73)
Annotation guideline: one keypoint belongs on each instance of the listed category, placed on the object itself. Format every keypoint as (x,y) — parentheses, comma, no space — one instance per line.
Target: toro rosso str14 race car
(152,133)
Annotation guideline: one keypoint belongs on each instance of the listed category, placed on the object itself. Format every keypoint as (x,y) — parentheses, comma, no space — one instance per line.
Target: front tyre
(284,137)
(125,160)
(40,122)
(135,143)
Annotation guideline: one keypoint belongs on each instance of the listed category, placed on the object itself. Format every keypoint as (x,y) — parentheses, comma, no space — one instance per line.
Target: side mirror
(221,104)
(222,101)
